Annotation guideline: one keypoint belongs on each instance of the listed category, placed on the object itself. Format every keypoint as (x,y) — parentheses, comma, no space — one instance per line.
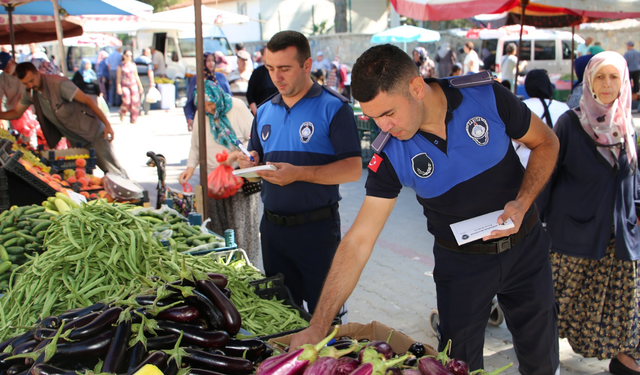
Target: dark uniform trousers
(521,278)
(302,253)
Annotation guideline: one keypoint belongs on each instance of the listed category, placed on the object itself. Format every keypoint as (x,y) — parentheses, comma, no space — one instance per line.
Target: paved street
(396,287)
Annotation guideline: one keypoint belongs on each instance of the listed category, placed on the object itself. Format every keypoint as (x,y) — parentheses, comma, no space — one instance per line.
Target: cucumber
(11,242)
(17,259)
(34,210)
(3,253)
(15,250)
(9,230)
(8,236)
(22,224)
(21,241)
(5,266)
(41,226)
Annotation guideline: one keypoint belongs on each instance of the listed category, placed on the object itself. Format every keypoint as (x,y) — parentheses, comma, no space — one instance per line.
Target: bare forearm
(541,164)
(10,115)
(339,172)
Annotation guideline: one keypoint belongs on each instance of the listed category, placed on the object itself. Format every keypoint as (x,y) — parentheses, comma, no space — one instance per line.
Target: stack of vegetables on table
(350,357)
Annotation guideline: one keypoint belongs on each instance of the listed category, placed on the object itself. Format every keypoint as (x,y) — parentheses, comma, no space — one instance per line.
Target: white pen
(244,149)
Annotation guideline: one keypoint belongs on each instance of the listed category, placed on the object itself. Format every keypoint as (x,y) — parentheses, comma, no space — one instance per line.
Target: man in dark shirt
(260,86)
(450,141)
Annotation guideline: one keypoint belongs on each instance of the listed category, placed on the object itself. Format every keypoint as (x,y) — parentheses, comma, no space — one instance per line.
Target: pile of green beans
(102,252)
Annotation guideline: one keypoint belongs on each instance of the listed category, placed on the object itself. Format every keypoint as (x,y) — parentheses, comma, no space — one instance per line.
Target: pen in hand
(244,149)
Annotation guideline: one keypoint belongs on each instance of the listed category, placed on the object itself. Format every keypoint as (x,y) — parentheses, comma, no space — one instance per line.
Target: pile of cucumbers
(22,233)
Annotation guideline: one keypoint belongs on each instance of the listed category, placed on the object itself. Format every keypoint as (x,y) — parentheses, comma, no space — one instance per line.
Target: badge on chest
(306,132)
(422,165)
(478,129)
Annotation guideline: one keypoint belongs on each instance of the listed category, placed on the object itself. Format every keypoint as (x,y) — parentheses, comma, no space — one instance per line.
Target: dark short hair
(470,45)
(285,39)
(239,46)
(384,68)
(510,48)
(23,68)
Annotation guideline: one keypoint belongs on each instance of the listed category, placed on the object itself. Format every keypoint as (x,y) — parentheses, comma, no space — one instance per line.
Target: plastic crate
(21,186)
(229,244)
(368,131)
(61,165)
(4,191)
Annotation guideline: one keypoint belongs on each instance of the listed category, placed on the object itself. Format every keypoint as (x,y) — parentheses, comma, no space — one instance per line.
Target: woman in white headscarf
(446,59)
(591,218)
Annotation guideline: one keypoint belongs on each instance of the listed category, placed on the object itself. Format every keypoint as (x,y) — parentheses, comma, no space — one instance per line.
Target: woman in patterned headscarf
(227,119)
(210,74)
(591,218)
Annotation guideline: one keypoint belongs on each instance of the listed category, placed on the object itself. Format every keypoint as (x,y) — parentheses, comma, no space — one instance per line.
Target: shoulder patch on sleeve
(374,164)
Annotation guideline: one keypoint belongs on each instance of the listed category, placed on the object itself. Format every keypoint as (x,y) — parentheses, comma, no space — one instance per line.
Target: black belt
(303,218)
(494,246)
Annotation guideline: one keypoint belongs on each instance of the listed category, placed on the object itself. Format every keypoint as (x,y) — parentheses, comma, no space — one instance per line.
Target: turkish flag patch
(374,164)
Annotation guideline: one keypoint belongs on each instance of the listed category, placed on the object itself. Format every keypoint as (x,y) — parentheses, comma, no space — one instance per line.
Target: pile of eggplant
(187,326)
(349,357)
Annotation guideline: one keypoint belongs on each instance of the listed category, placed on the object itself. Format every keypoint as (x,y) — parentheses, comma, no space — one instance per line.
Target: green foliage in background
(161,5)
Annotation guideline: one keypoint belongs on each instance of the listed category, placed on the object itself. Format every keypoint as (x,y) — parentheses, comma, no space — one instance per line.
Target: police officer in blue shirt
(309,133)
(450,141)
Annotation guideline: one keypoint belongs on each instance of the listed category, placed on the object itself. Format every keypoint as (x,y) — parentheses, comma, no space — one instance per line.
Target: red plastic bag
(25,125)
(221,181)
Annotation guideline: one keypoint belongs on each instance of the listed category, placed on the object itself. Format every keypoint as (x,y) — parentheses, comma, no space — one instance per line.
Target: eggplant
(6,343)
(342,343)
(380,347)
(135,355)
(213,315)
(172,367)
(158,359)
(219,279)
(431,366)
(410,371)
(412,361)
(226,292)
(25,347)
(206,339)
(28,336)
(232,319)
(197,371)
(393,371)
(321,366)
(5,364)
(363,369)
(114,361)
(162,342)
(95,346)
(457,366)
(224,364)
(42,334)
(41,345)
(16,369)
(418,349)
(52,322)
(80,312)
(46,369)
(184,313)
(148,300)
(99,324)
(253,348)
(346,365)
(81,321)
(266,363)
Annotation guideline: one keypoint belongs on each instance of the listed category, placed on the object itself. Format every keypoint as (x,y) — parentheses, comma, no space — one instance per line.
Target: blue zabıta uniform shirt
(473,172)
(319,129)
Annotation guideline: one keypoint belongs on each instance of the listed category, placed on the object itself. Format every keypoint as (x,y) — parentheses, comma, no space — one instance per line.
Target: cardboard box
(373,331)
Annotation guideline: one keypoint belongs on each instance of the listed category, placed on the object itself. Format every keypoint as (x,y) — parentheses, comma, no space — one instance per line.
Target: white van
(179,47)
(551,50)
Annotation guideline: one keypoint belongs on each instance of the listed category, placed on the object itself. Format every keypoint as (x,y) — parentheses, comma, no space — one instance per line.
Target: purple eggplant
(25,347)
(114,361)
(47,369)
(179,314)
(135,355)
(80,312)
(208,308)
(377,360)
(158,359)
(295,361)
(266,363)
(418,349)
(251,349)
(230,314)
(206,339)
(19,340)
(393,371)
(172,367)
(380,347)
(410,371)
(321,366)
(52,322)
(219,279)
(346,365)
(150,300)
(99,324)
(81,321)
(197,371)
(363,369)
(162,342)
(431,366)
(6,343)
(215,362)
(457,367)
(95,346)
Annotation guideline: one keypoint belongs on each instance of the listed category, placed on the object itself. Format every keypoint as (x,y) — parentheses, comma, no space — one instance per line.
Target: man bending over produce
(63,110)
(450,141)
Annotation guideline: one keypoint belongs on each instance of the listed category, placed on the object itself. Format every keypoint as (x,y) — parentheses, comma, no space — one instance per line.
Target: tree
(160,5)
(340,20)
